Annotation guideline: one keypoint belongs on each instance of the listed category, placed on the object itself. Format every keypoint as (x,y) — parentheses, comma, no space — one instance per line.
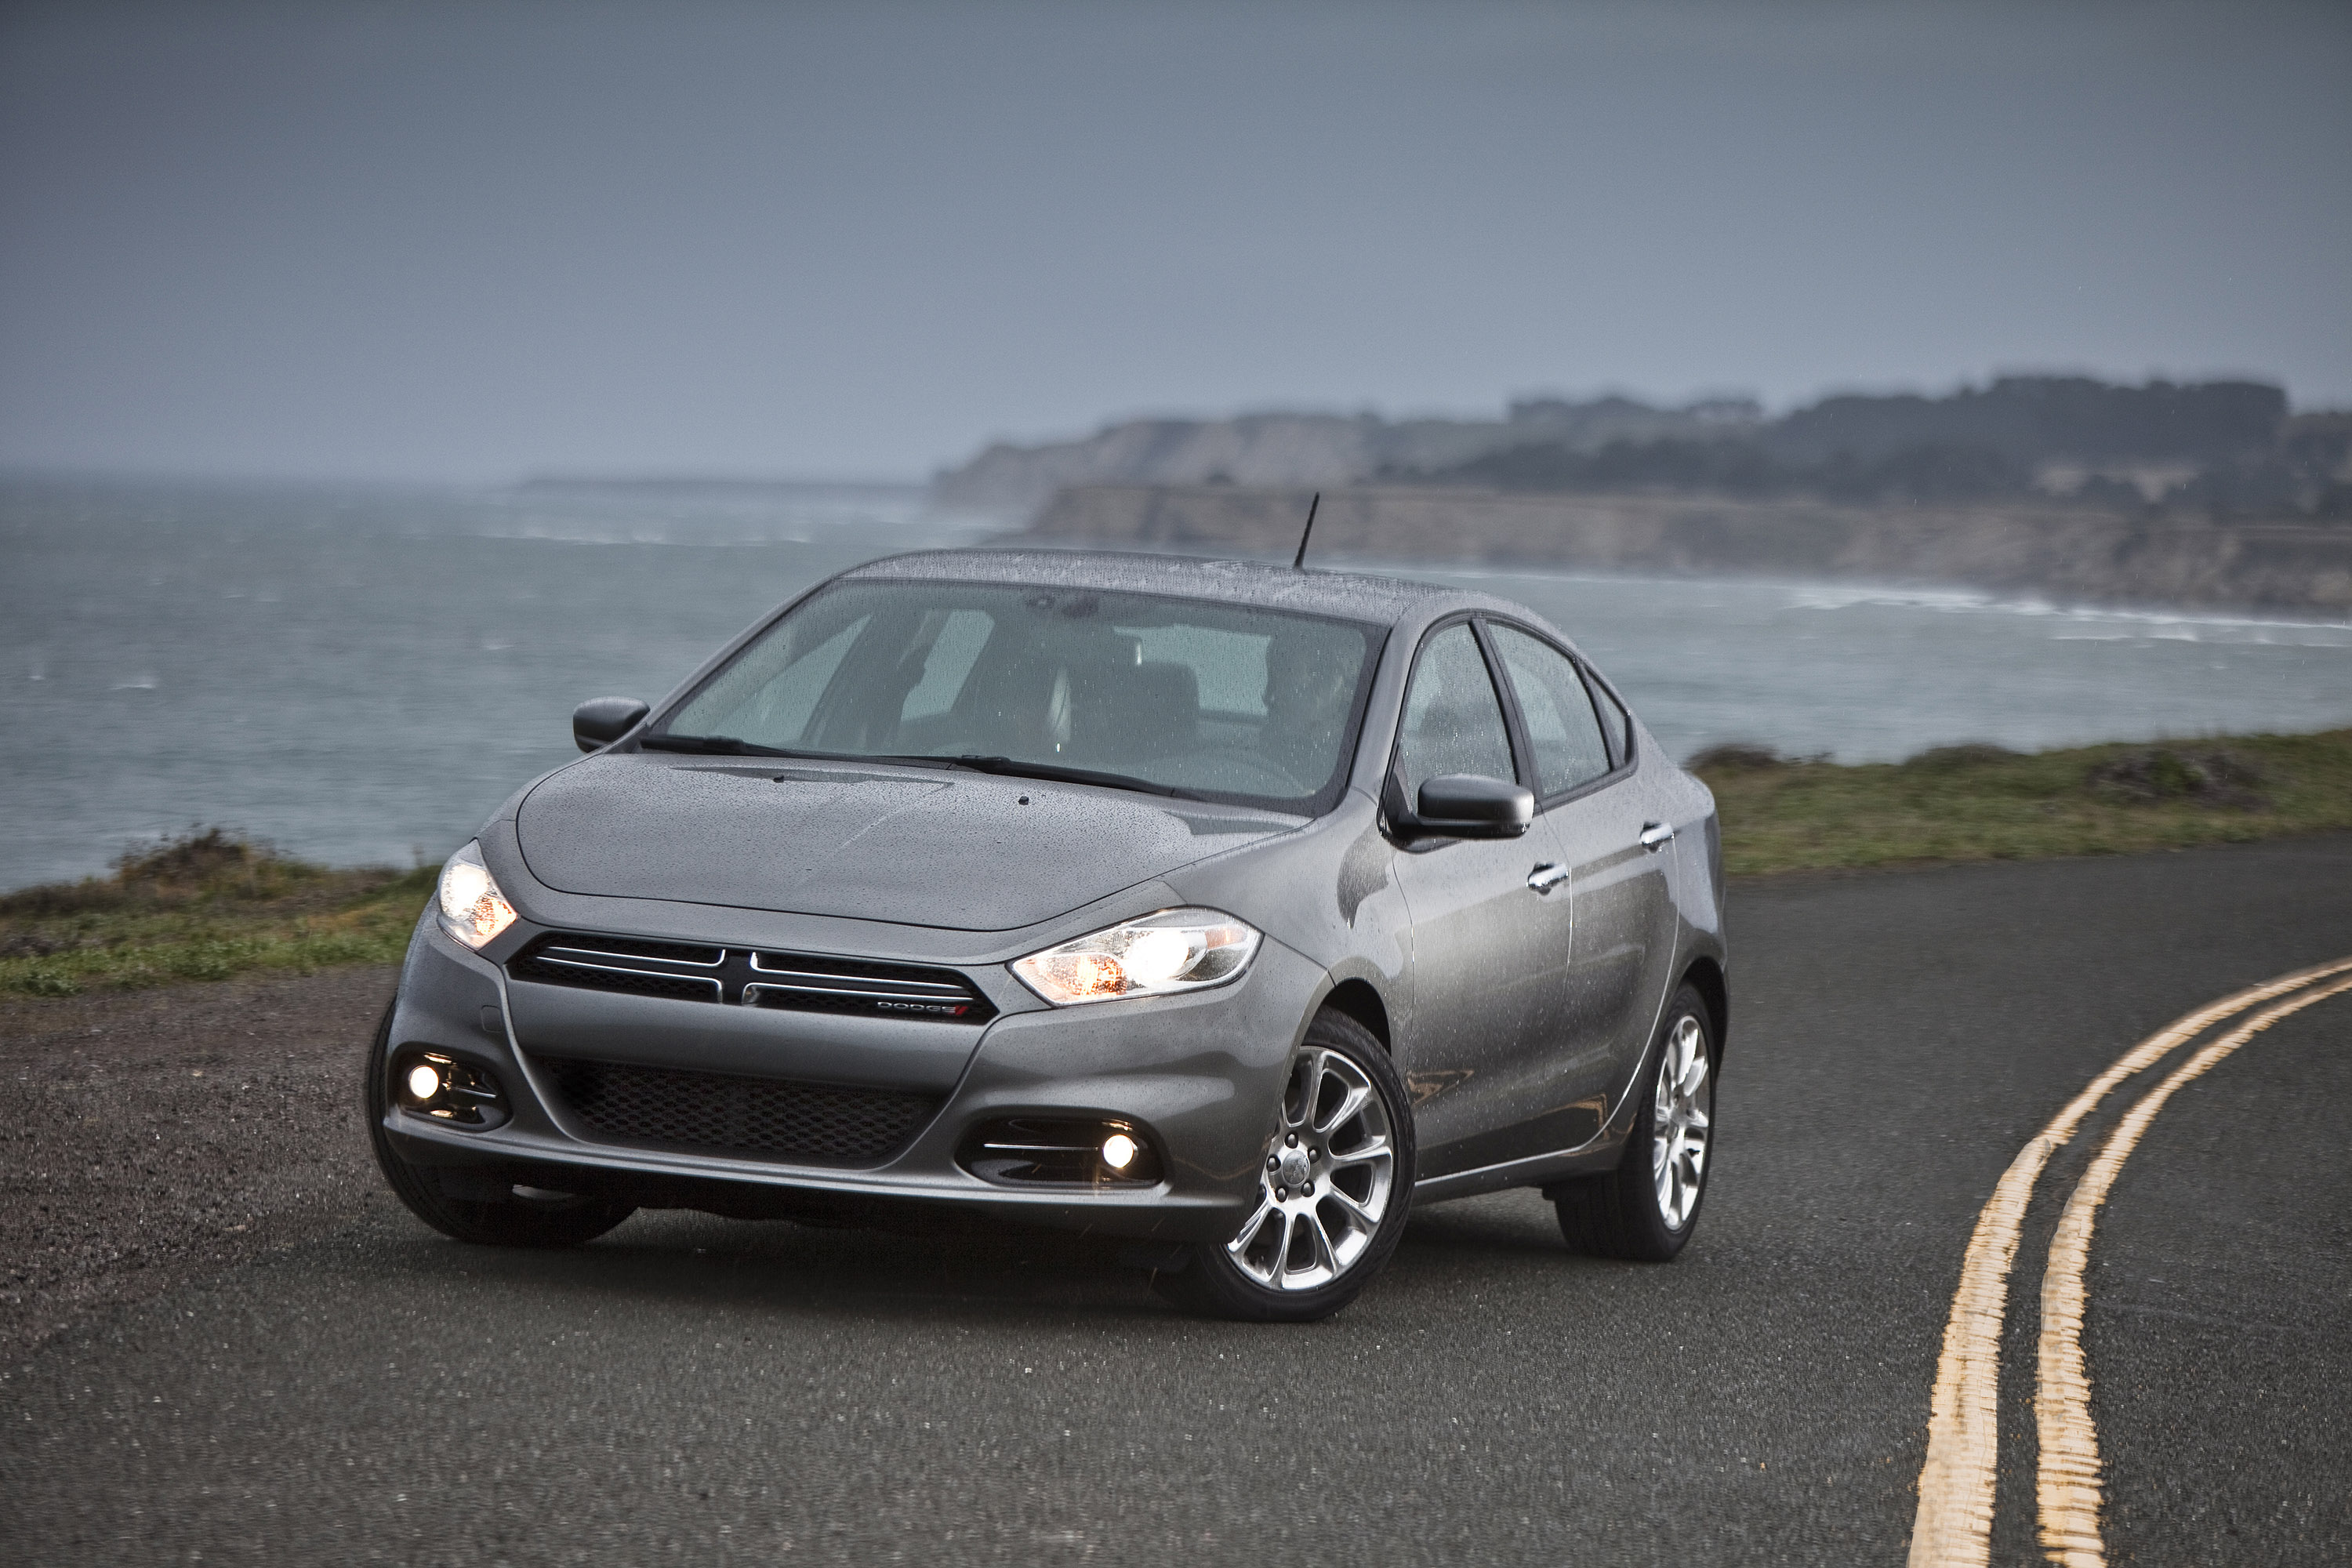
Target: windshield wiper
(1013,767)
(714,746)
(1010,767)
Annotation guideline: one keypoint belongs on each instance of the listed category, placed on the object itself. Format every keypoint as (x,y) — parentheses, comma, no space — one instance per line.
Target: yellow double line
(1953,1528)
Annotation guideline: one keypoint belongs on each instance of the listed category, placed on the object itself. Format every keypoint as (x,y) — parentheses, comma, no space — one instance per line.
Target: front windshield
(1217,700)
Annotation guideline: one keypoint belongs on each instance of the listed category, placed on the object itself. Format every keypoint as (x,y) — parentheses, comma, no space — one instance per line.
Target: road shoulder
(154,1137)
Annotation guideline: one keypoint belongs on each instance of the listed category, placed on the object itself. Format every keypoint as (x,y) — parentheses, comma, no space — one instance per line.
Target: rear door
(1619,867)
(1489,950)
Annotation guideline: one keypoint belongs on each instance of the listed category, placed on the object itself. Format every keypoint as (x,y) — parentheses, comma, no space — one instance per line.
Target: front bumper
(1200,1073)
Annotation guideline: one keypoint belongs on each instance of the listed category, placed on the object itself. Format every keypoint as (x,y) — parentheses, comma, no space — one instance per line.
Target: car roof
(1351,595)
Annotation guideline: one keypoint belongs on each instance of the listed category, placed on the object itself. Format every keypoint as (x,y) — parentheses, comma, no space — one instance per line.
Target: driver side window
(1453,720)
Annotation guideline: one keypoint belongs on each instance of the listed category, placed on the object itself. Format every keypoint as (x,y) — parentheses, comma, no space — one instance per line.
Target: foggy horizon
(833,244)
(654,477)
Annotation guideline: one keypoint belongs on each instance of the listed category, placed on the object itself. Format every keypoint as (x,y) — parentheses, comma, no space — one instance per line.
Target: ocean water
(1876,674)
(359,674)
(362,674)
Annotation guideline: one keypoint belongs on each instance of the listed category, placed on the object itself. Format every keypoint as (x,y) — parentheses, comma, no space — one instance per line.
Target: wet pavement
(707,1391)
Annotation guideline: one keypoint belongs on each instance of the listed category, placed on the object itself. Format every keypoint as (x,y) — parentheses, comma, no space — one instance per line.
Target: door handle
(1657,836)
(1547,876)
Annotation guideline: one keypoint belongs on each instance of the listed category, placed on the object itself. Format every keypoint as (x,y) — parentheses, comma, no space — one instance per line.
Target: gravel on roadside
(149,1138)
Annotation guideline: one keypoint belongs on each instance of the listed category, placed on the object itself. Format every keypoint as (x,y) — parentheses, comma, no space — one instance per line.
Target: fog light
(431,1084)
(1061,1151)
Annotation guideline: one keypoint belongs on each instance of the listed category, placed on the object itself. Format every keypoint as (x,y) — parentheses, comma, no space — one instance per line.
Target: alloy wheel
(1329,1178)
(1679,1123)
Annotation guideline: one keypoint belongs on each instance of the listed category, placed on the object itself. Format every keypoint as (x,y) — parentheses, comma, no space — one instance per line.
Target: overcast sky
(475,241)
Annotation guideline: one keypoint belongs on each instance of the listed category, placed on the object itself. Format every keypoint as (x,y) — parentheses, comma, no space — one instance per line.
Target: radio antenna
(1298,561)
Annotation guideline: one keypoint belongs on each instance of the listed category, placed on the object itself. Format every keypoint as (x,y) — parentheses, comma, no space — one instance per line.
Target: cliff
(1310,449)
(2225,450)
(2065,553)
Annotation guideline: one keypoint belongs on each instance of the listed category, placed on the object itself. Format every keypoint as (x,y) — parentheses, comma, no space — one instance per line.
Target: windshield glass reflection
(1216,700)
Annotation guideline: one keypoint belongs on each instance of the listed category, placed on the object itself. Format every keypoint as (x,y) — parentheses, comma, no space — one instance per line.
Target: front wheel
(1645,1210)
(1334,1185)
(514,1221)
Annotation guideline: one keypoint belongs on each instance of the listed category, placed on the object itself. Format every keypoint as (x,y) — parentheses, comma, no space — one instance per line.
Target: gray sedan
(1225,910)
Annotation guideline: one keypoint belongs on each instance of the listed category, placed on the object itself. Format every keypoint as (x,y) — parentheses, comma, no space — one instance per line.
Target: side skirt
(1593,1157)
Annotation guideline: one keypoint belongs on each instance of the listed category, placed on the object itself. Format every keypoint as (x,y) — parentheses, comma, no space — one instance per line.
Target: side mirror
(600,721)
(1471,806)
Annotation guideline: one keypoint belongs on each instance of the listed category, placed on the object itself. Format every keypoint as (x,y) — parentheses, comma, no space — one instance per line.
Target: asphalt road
(701,1391)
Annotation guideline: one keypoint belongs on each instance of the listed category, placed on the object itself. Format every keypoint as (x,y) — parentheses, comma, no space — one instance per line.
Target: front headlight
(1175,950)
(472,909)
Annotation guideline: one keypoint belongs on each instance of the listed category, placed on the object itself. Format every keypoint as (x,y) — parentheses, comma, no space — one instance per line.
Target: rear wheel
(1334,1185)
(509,1221)
(1645,1209)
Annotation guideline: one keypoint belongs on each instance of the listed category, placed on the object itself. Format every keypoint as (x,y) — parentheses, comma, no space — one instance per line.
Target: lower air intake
(718,1114)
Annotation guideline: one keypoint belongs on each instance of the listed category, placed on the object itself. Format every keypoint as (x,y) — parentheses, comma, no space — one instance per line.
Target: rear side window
(1562,729)
(1453,720)
(1614,720)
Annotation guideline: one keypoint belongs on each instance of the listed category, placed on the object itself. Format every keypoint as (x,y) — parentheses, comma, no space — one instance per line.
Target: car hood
(959,850)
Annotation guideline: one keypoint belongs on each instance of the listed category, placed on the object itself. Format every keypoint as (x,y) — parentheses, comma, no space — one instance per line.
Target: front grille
(719,1113)
(800,982)
(677,970)
(849,986)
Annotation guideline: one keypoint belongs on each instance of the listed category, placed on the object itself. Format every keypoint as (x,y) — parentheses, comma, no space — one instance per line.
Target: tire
(512,1221)
(1345,1119)
(1646,1208)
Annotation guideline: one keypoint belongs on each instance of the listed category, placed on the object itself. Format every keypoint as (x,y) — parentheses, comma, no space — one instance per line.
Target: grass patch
(203,906)
(1982,803)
